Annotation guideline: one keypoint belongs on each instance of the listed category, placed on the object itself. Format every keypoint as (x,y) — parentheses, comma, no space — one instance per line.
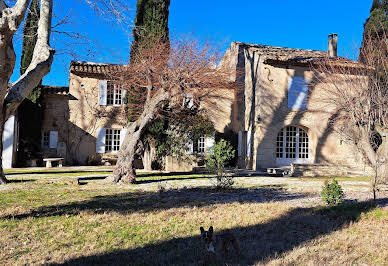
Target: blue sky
(289,23)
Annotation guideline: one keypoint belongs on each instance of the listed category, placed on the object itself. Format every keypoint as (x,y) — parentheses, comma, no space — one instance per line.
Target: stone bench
(50,160)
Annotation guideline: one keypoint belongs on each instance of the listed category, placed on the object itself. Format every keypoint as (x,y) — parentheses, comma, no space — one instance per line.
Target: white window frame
(49,139)
(292,148)
(201,145)
(113,140)
(45,139)
(114,94)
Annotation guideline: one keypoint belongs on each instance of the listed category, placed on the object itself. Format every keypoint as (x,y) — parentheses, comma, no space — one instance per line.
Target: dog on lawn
(220,244)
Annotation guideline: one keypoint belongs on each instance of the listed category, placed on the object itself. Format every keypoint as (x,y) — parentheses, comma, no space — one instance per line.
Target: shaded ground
(78,218)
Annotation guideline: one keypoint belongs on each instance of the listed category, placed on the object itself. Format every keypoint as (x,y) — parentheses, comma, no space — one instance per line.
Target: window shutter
(239,147)
(297,93)
(249,143)
(100,142)
(102,92)
(123,132)
(209,144)
(123,94)
(53,139)
(189,147)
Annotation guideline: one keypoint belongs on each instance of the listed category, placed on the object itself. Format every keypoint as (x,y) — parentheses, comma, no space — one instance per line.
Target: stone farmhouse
(271,120)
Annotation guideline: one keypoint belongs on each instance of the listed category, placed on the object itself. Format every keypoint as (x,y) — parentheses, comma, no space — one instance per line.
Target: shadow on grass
(42,172)
(140,180)
(151,201)
(20,180)
(259,243)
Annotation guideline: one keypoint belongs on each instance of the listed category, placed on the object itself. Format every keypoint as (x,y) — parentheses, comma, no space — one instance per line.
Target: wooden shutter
(249,143)
(53,139)
(297,93)
(189,147)
(240,139)
(100,141)
(102,92)
(123,132)
(209,144)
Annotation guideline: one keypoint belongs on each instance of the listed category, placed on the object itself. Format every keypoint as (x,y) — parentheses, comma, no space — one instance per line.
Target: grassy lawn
(53,221)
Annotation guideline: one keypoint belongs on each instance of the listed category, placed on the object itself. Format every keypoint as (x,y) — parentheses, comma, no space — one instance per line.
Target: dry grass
(50,221)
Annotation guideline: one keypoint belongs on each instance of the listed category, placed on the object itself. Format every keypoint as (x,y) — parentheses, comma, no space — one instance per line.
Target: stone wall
(87,116)
(56,118)
(317,170)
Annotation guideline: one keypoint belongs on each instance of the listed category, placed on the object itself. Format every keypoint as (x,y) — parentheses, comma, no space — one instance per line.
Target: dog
(221,243)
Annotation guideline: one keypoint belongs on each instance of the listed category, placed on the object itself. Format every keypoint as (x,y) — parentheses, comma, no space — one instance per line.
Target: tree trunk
(148,157)
(124,171)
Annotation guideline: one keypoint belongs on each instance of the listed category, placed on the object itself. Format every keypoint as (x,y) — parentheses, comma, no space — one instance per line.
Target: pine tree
(151,22)
(31,109)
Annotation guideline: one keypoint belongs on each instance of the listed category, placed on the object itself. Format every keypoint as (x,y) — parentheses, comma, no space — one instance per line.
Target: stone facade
(275,116)
(264,105)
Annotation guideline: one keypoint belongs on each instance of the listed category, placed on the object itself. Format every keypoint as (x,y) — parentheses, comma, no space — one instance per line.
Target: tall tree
(377,23)
(151,22)
(30,111)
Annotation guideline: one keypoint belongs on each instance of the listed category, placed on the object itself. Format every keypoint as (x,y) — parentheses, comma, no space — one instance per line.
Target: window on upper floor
(110,94)
(297,93)
(114,95)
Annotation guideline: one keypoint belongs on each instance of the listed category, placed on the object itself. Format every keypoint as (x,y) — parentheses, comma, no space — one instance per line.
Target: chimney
(333,40)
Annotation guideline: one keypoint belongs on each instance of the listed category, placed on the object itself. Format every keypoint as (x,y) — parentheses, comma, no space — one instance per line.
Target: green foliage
(29,35)
(216,161)
(151,22)
(378,19)
(332,193)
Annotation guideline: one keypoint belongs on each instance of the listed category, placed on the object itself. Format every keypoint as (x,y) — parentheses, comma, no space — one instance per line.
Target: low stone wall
(314,170)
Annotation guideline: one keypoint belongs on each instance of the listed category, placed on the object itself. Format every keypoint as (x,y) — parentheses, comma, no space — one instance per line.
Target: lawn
(47,219)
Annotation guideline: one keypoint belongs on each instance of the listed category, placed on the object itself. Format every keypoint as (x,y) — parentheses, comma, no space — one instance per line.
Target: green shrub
(216,160)
(332,193)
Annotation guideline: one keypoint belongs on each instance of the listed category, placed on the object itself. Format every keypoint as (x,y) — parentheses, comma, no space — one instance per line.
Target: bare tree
(358,95)
(164,79)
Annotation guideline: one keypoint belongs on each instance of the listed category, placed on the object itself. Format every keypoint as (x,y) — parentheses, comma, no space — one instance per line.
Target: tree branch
(40,64)
(17,15)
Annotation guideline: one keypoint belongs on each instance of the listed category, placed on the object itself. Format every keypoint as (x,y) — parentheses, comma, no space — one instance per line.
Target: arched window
(292,145)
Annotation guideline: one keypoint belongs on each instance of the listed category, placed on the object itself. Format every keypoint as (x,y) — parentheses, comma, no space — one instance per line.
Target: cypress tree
(378,19)
(31,109)
(29,35)
(151,22)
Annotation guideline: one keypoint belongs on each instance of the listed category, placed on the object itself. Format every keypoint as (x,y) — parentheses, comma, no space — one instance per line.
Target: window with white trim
(201,144)
(292,142)
(46,139)
(114,95)
(112,140)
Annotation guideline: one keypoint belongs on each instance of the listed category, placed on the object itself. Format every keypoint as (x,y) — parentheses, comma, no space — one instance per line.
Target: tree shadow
(259,243)
(150,201)
(20,180)
(55,172)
